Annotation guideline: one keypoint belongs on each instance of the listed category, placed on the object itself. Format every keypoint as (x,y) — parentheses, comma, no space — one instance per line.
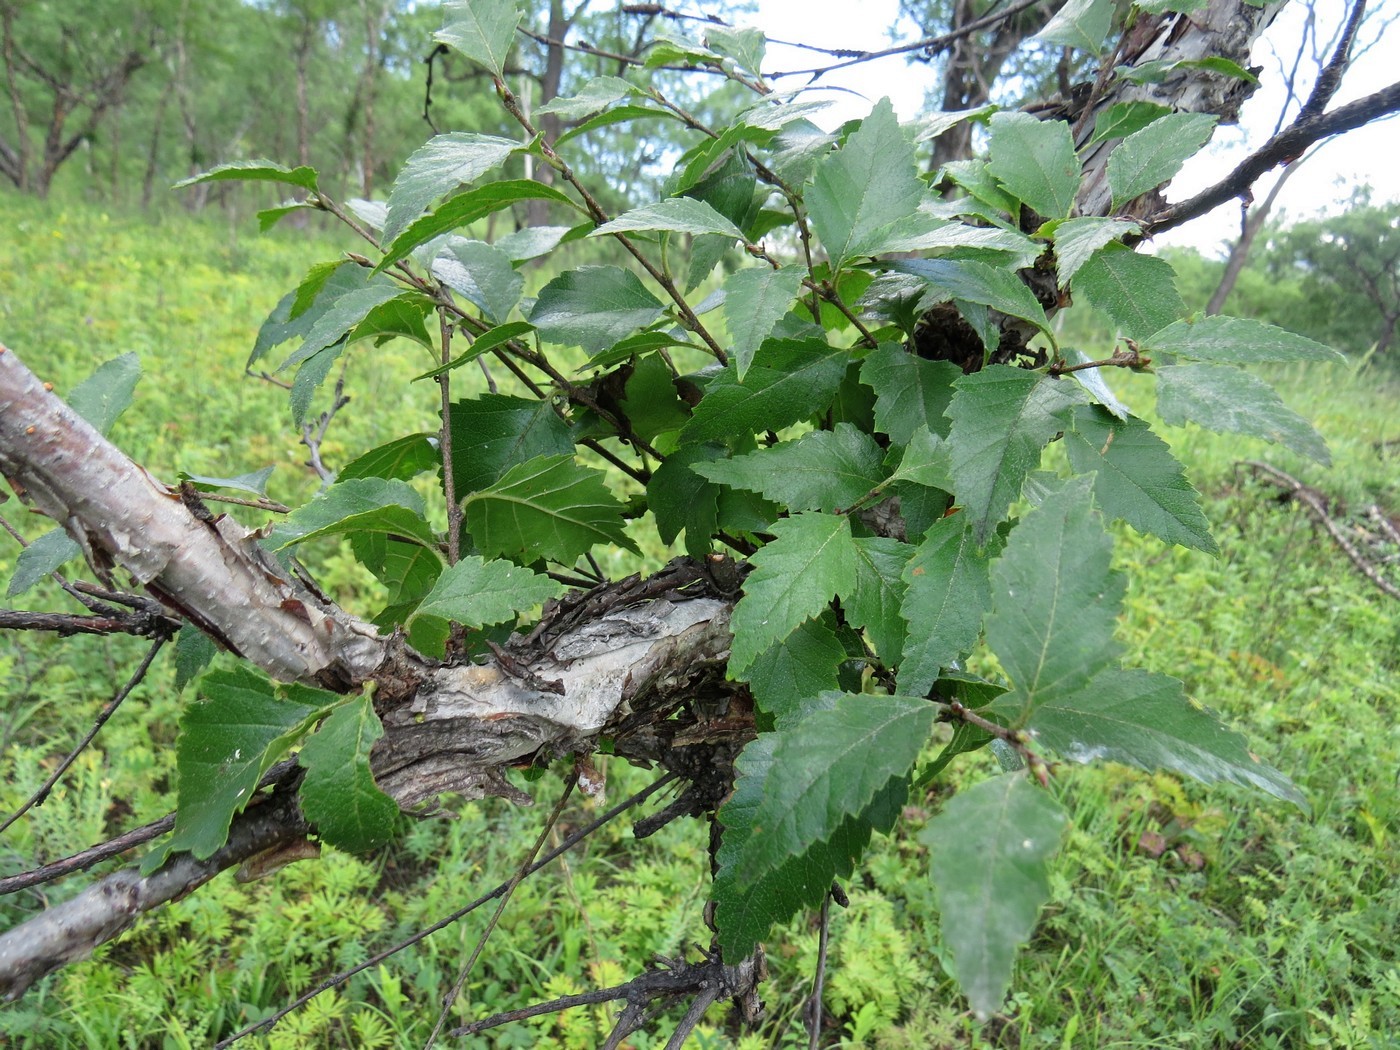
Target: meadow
(1181,916)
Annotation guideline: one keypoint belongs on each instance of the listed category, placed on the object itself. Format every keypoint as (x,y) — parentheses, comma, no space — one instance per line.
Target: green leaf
(338,794)
(309,378)
(989,849)
(1237,340)
(672,215)
(193,652)
(790,672)
(617,115)
(47,554)
(483,274)
(936,124)
(862,191)
(484,343)
(789,380)
(549,507)
(834,763)
(748,908)
(1034,159)
(756,299)
(744,46)
(407,571)
(874,603)
(1082,24)
(597,94)
(977,282)
(809,562)
(475,592)
(1137,478)
(1138,292)
(926,233)
(1146,720)
(948,590)
(680,498)
(441,165)
(925,461)
(1076,240)
(1054,601)
(534,241)
(254,171)
(1002,418)
(909,392)
(105,395)
(482,30)
(255,481)
(464,209)
(228,738)
(1148,158)
(822,470)
(494,432)
(1093,382)
(401,459)
(1229,400)
(359,504)
(343,314)
(1124,118)
(301,308)
(593,307)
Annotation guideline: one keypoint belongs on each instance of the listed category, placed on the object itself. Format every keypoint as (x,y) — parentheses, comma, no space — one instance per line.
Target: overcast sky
(1369,156)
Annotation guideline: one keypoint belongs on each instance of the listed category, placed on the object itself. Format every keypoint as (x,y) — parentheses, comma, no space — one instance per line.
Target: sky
(1367,156)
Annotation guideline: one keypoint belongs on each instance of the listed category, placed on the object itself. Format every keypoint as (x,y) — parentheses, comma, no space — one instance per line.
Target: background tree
(851,447)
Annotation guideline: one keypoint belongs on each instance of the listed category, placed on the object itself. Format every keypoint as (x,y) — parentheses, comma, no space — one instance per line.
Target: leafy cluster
(759,367)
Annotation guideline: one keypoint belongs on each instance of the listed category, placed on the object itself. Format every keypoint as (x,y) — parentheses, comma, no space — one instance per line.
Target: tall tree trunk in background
(303,61)
(374,12)
(148,179)
(1387,333)
(536,211)
(1250,226)
(14,160)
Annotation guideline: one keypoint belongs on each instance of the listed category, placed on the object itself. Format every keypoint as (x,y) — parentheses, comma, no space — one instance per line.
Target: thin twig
(338,979)
(261,503)
(814,1005)
(108,710)
(693,1016)
(495,919)
(449,481)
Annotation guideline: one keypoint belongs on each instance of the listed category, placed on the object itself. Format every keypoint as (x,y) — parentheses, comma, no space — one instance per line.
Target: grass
(1181,916)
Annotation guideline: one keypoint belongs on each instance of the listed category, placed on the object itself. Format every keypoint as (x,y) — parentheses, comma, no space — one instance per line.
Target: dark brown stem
(449,483)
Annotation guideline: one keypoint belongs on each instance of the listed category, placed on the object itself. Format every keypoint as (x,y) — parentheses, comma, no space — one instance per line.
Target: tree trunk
(537,211)
(14,160)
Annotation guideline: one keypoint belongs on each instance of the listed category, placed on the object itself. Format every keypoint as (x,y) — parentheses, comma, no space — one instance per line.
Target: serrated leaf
(748,908)
(874,603)
(937,123)
(47,554)
(1146,720)
(255,481)
(1237,340)
(1137,478)
(1148,158)
(1227,399)
(464,209)
(302,307)
(680,498)
(1138,292)
(948,590)
(342,315)
(789,380)
(359,504)
(822,470)
(862,191)
(795,670)
(809,562)
(597,94)
(482,30)
(105,395)
(549,507)
(1082,24)
(1054,600)
(309,378)
(481,273)
(438,167)
(834,763)
(475,592)
(744,46)
(672,215)
(1034,159)
(193,652)
(1092,380)
(401,459)
(756,299)
(254,171)
(228,738)
(1124,118)
(407,571)
(338,793)
(925,461)
(494,432)
(1002,418)
(593,307)
(989,849)
(484,343)
(534,241)
(1076,240)
(928,233)
(977,282)
(909,392)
